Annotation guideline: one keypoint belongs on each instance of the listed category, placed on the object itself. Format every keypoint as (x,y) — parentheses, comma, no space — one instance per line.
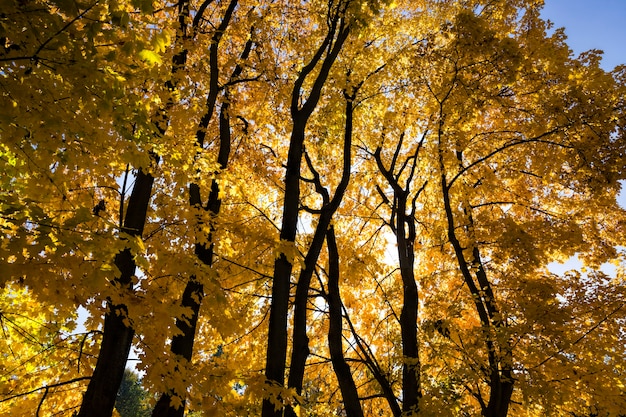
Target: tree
(301,108)
(311,208)
(62,53)
(131,398)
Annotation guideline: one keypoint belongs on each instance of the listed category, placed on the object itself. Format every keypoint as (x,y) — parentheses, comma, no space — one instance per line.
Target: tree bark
(347,386)
(411,389)
(404,230)
(300,351)
(182,343)
(279,308)
(501,382)
(276,355)
(193,294)
(99,399)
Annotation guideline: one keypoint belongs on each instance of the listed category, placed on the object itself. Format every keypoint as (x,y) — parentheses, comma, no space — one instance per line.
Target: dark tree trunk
(99,399)
(499,398)
(279,308)
(182,343)
(193,294)
(300,351)
(501,382)
(405,232)
(411,390)
(347,386)
(276,355)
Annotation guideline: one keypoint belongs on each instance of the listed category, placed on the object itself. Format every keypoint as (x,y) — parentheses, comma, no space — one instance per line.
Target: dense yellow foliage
(480,151)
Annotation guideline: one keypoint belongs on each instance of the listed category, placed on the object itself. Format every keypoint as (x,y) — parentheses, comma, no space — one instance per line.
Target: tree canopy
(310,208)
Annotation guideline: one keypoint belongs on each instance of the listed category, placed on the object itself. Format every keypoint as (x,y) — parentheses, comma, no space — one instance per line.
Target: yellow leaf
(150,57)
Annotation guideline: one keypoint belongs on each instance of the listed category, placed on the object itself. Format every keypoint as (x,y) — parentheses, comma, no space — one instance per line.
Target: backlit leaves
(472,100)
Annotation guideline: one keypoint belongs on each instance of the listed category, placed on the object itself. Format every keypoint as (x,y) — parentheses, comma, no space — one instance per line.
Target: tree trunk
(276,355)
(499,398)
(404,230)
(347,386)
(277,332)
(300,351)
(411,389)
(99,399)
(501,383)
(183,342)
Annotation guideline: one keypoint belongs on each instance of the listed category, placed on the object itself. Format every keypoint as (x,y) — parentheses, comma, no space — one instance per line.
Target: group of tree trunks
(336,207)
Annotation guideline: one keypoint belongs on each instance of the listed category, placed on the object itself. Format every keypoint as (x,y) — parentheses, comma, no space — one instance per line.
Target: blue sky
(592,24)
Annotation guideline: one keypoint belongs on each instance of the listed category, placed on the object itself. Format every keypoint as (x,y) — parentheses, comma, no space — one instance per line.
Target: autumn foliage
(309,208)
